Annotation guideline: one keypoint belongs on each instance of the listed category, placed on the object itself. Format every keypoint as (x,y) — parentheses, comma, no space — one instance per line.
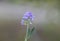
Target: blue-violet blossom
(28,16)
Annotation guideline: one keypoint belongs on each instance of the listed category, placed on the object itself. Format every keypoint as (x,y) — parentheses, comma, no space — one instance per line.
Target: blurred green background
(47,14)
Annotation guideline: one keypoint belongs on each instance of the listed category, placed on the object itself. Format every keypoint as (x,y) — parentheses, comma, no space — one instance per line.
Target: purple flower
(27,15)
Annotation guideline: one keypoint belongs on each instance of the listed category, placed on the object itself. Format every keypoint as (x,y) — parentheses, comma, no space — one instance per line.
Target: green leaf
(32,30)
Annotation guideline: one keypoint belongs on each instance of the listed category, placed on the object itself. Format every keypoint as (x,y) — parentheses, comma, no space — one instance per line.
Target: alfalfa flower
(28,16)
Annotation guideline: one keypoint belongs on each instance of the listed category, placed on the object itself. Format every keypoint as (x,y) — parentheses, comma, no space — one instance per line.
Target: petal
(25,17)
(32,18)
(28,14)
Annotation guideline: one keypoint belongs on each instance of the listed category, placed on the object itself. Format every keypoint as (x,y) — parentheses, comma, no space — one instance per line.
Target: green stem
(26,38)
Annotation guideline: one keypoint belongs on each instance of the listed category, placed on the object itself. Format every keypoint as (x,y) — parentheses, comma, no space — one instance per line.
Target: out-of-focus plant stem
(26,38)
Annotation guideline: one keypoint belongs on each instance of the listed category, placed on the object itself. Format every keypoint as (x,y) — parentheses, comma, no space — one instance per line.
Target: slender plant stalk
(26,38)
(26,20)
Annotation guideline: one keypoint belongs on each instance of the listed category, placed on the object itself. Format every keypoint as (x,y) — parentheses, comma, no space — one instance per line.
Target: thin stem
(26,38)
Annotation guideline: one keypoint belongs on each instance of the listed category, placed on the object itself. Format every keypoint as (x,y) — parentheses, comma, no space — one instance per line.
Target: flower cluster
(28,16)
